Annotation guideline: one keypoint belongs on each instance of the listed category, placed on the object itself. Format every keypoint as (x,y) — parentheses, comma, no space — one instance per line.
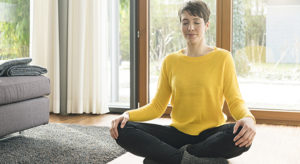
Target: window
(283,93)
(165,34)
(120,53)
(14,28)
(266,49)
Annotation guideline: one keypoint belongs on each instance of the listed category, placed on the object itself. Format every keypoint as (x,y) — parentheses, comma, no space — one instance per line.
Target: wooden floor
(88,120)
(273,144)
(95,120)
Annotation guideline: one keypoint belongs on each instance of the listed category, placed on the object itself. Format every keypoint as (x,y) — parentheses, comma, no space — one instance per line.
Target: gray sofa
(23,103)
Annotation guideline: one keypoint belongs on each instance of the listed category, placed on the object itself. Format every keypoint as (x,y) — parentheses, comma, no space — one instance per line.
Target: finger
(112,133)
(113,130)
(236,127)
(245,137)
(123,122)
(252,136)
(240,134)
(112,124)
(249,144)
(244,143)
(116,128)
(251,139)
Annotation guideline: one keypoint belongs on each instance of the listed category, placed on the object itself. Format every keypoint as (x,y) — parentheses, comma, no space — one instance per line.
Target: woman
(197,79)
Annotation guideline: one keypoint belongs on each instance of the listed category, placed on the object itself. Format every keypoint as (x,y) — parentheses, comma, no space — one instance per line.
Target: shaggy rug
(60,143)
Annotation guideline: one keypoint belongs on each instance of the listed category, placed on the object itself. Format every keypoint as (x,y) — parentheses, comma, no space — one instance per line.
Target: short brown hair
(195,8)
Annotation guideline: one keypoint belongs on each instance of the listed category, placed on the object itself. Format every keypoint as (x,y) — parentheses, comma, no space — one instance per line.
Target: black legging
(161,143)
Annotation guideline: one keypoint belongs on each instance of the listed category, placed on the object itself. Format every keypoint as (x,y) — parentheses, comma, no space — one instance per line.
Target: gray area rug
(60,143)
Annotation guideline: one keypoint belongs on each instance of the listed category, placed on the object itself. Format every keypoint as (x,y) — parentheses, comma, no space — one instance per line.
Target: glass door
(119,55)
(266,49)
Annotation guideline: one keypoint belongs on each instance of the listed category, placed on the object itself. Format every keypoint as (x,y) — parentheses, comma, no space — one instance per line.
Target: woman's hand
(247,133)
(114,124)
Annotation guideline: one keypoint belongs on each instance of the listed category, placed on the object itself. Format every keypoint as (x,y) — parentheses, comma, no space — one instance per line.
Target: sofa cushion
(23,115)
(20,88)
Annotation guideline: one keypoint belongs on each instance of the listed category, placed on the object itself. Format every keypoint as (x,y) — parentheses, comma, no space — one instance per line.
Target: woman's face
(193,28)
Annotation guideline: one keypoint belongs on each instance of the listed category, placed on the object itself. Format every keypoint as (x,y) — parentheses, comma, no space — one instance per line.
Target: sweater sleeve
(236,104)
(159,103)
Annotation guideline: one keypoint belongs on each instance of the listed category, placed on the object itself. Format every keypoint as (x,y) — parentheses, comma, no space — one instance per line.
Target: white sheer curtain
(45,44)
(87,87)
(87,56)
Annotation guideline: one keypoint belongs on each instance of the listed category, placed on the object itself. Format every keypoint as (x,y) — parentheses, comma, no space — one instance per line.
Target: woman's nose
(190,27)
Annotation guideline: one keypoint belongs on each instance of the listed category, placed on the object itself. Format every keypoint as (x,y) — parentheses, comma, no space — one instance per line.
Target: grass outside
(280,72)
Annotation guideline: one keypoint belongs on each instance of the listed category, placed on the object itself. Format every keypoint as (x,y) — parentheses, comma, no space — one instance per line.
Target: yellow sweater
(197,87)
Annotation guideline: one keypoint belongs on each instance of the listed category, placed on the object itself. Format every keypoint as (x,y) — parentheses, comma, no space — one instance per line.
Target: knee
(233,149)
(230,127)
(229,130)
(241,149)
(128,124)
(125,135)
(122,132)
(238,150)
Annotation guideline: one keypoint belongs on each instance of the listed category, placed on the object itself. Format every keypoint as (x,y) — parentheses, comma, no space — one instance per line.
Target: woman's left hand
(247,133)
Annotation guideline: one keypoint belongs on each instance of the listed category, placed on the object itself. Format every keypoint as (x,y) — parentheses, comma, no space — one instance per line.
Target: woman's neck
(197,49)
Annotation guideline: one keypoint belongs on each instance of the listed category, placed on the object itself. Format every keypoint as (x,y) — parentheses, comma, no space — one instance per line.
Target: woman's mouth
(191,35)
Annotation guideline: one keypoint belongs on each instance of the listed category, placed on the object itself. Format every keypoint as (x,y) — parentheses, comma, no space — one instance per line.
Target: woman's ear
(207,26)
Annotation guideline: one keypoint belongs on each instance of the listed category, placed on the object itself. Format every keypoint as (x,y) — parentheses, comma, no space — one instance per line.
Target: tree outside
(265,84)
(124,30)
(249,43)
(249,29)
(14,28)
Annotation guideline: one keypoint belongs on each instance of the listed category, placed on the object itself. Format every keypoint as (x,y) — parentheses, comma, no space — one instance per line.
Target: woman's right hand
(114,124)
